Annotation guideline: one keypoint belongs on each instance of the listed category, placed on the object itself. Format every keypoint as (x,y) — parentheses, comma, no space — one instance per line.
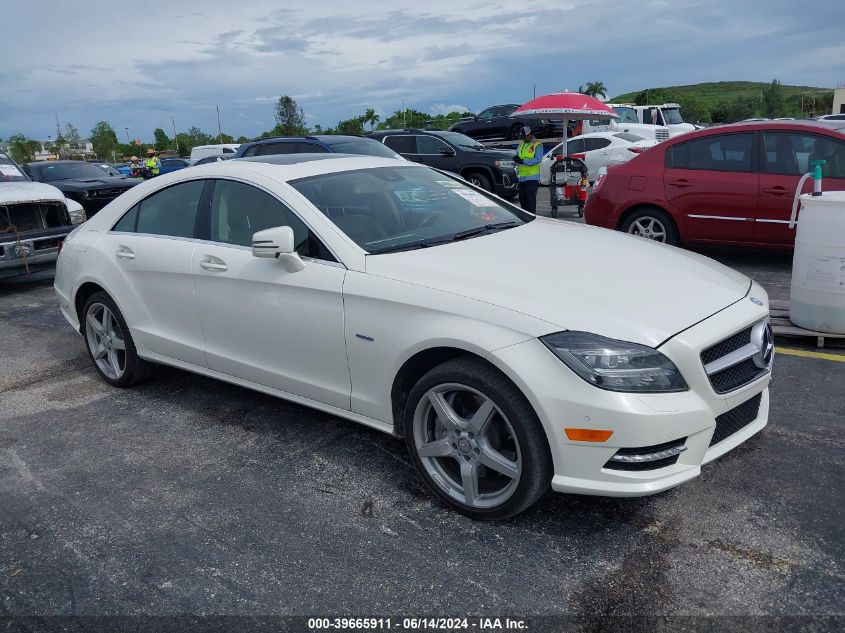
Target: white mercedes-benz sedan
(512,353)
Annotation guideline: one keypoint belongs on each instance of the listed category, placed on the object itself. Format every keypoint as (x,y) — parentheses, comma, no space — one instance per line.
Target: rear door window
(592,144)
(171,211)
(723,152)
(272,149)
(401,144)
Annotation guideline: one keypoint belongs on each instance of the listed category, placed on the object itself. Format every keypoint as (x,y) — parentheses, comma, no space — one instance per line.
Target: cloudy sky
(135,64)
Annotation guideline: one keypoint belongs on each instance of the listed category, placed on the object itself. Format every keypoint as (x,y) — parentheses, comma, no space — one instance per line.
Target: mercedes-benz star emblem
(756,301)
(761,337)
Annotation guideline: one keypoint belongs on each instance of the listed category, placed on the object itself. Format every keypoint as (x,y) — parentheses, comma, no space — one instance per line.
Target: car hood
(576,277)
(23,191)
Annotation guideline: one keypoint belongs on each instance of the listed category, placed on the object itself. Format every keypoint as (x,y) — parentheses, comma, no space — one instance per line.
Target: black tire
(513,134)
(536,460)
(646,215)
(479,179)
(136,369)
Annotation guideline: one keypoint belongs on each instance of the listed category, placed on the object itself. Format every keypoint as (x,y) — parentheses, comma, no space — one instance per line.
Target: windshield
(9,172)
(672,116)
(461,140)
(51,172)
(626,114)
(111,171)
(367,147)
(400,208)
(627,136)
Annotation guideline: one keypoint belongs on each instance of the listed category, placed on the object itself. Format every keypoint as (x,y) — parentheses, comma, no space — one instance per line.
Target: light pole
(128,142)
(535,91)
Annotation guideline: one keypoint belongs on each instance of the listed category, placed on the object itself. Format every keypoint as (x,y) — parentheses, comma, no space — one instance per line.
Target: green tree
(104,140)
(22,149)
(773,99)
(242,139)
(739,109)
(186,141)
(693,109)
(290,118)
(371,117)
(162,141)
(594,89)
(355,125)
(225,138)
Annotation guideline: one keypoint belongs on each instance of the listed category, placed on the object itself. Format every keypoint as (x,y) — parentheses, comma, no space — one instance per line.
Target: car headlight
(84,194)
(615,365)
(75,211)
(505,164)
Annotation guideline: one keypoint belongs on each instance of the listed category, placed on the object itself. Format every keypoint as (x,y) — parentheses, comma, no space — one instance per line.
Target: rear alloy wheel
(476,441)
(652,224)
(110,344)
(479,180)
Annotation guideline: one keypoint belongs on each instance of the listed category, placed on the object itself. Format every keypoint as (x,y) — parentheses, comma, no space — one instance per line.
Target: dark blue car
(320,144)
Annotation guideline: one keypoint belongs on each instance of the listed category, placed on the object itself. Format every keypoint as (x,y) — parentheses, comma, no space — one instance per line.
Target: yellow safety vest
(527,150)
(152,164)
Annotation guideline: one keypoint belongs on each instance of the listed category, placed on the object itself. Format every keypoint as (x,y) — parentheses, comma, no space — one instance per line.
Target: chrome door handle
(215,265)
(124,252)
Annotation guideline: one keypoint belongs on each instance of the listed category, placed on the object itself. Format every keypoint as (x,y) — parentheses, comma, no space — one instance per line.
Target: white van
(221,149)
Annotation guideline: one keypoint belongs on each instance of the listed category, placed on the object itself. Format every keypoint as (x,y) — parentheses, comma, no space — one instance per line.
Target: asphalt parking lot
(191,496)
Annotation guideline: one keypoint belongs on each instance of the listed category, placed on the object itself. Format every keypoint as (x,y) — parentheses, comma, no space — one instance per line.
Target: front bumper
(639,421)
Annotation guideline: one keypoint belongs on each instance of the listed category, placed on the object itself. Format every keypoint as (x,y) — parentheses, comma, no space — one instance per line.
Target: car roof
(290,159)
(328,139)
(285,167)
(57,162)
(751,126)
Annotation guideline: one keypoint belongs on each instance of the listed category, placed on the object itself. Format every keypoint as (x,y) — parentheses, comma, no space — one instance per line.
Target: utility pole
(219,129)
(535,91)
(403,115)
(128,142)
(175,143)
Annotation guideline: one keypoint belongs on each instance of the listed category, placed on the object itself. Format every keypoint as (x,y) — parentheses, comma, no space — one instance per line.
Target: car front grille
(736,419)
(730,363)
(661,135)
(109,193)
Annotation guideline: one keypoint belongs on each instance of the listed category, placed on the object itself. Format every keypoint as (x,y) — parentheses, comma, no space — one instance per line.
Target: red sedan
(730,185)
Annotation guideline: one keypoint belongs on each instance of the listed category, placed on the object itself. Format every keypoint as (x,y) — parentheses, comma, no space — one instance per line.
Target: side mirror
(446,151)
(475,117)
(277,243)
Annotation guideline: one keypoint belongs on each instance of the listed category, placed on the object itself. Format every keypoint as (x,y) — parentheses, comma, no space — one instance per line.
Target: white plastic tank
(817,297)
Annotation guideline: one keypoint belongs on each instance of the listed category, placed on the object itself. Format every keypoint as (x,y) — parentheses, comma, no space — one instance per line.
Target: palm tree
(371,117)
(594,89)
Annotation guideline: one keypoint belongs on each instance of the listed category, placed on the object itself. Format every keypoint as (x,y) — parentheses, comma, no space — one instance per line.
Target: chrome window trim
(719,217)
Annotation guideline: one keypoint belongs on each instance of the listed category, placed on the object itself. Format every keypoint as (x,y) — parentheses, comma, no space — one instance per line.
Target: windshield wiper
(498,226)
(460,235)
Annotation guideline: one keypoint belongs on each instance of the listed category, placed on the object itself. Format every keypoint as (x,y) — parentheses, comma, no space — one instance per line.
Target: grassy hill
(734,100)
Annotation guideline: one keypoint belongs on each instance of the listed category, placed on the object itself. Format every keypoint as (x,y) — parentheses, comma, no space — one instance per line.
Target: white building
(839,100)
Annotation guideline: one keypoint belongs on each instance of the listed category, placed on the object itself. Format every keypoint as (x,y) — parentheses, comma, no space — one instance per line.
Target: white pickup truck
(659,122)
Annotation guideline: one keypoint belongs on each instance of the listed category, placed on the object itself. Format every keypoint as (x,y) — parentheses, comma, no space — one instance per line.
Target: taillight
(59,245)
(599,180)
(578,156)
(636,150)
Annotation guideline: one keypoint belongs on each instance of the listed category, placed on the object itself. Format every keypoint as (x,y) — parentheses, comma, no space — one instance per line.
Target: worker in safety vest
(528,157)
(152,163)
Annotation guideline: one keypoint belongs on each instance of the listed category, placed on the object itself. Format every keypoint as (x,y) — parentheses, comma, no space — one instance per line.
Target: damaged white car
(35,218)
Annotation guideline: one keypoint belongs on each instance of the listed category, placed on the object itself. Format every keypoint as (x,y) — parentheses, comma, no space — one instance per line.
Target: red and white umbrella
(569,105)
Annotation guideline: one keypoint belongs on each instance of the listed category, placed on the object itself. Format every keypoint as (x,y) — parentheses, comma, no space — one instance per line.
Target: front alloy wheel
(476,440)
(467,445)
